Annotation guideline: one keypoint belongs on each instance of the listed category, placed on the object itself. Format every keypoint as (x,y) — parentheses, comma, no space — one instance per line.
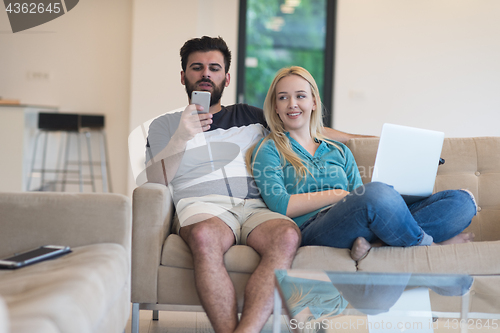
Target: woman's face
(294,103)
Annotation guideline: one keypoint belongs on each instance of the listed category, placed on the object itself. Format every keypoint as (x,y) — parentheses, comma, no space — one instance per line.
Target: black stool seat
(58,121)
(76,124)
(91,121)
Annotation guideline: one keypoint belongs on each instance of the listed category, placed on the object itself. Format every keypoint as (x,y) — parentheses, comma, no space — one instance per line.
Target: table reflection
(315,296)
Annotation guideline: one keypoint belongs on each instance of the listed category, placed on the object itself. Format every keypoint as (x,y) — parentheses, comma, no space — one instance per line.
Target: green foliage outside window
(280,34)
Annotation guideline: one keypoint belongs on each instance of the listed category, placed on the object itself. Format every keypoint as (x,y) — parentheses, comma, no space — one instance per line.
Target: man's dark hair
(205,44)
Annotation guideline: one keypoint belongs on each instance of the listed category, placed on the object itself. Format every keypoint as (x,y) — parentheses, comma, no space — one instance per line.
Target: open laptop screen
(408,158)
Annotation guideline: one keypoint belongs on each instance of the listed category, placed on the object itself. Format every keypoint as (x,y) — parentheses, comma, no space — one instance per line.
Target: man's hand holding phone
(196,117)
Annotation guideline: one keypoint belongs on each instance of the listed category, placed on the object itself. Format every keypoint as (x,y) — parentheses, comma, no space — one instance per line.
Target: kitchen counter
(18,127)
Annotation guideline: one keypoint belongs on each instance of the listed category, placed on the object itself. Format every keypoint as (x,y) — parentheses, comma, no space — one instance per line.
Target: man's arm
(343,137)
(163,166)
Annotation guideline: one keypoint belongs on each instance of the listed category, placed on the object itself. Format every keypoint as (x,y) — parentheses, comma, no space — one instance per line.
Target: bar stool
(70,125)
(94,124)
(48,123)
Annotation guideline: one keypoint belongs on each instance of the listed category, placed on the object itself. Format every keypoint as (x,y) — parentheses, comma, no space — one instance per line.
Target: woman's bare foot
(464,237)
(360,248)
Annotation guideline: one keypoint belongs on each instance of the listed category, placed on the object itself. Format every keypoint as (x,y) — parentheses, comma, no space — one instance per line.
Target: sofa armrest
(152,221)
(33,219)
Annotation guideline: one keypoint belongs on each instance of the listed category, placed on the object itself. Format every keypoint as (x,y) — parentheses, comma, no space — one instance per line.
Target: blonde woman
(316,182)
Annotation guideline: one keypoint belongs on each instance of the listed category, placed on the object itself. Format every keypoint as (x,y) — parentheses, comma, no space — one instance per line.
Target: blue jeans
(376,211)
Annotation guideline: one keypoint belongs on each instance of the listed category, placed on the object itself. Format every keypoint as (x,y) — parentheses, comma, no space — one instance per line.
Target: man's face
(205,72)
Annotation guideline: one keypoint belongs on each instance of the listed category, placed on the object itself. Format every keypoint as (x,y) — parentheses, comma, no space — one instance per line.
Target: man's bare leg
(208,241)
(276,241)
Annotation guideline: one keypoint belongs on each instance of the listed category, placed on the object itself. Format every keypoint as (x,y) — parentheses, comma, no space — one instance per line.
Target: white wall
(160,28)
(86,53)
(429,63)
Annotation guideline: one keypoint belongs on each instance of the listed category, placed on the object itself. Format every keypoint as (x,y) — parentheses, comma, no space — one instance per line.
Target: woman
(316,182)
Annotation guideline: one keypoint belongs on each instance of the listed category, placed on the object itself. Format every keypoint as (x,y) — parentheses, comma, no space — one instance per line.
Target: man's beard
(215,95)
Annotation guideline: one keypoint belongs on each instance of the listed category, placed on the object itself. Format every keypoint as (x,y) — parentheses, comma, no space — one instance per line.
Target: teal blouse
(277,180)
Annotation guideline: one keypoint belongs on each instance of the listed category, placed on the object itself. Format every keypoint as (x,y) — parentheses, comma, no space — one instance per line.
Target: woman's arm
(301,204)
(352,171)
(339,136)
(267,172)
(269,177)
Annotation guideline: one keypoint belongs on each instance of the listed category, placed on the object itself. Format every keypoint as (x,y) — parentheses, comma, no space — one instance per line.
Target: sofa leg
(156,314)
(135,318)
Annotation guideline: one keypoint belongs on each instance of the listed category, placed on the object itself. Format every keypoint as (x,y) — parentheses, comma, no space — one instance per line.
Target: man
(201,157)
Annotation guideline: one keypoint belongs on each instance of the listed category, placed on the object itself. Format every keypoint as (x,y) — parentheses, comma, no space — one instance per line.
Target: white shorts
(241,215)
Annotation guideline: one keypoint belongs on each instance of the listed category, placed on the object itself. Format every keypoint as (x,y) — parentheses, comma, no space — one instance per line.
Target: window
(279,33)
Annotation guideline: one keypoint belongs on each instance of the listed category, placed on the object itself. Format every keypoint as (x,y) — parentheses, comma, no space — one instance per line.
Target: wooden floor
(197,322)
(185,322)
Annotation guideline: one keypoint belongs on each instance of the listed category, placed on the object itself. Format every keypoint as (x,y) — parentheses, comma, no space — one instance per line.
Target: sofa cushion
(324,258)
(39,324)
(177,286)
(471,163)
(474,164)
(31,219)
(73,293)
(239,258)
(243,259)
(473,258)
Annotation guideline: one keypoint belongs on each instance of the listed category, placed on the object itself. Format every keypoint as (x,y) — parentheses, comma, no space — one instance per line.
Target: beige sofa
(162,266)
(87,290)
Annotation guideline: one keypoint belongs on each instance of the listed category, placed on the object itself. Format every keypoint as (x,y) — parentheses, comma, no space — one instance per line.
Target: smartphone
(33,256)
(201,98)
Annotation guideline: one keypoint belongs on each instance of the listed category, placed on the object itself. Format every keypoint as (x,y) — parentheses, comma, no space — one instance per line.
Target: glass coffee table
(323,301)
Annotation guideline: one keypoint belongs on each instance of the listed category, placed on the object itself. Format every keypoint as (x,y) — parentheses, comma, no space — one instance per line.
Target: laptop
(408,159)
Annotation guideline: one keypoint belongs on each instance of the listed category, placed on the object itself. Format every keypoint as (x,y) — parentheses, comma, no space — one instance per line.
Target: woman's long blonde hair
(277,128)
